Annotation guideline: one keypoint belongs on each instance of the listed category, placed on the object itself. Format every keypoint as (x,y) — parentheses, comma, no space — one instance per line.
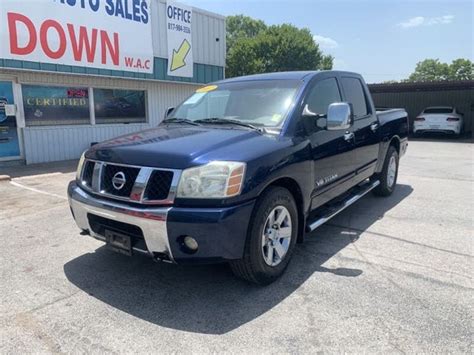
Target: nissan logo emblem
(119,180)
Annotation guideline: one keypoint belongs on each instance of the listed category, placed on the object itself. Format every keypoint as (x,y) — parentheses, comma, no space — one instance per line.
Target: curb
(5,178)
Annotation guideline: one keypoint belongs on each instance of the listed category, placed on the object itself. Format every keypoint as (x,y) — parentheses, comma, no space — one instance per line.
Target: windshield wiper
(218,120)
(180,120)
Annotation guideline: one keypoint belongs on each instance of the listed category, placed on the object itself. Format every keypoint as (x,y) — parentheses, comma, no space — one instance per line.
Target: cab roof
(284,75)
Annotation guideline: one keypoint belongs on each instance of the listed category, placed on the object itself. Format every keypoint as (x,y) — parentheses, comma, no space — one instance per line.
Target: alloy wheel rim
(276,237)
(392,171)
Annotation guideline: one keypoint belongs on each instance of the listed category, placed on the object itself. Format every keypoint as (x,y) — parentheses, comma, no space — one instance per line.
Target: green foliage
(326,62)
(461,69)
(254,47)
(241,26)
(434,70)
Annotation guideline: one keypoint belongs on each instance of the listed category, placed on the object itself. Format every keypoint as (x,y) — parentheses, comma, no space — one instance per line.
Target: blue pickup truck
(241,171)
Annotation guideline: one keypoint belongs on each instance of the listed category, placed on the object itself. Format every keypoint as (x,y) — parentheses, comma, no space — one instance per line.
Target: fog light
(190,243)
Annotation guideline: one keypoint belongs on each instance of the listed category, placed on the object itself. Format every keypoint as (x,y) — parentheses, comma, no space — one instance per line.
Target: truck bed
(391,114)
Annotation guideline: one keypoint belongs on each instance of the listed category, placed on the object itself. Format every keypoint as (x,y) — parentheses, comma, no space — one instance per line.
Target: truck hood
(182,146)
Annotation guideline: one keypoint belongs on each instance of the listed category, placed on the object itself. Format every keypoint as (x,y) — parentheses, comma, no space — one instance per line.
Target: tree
(461,69)
(430,70)
(434,70)
(240,26)
(243,59)
(254,47)
(327,62)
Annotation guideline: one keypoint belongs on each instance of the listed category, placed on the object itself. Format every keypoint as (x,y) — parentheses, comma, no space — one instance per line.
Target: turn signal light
(235,181)
(452,119)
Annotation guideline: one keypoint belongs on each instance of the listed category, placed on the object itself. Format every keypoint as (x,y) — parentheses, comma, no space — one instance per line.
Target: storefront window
(119,106)
(46,105)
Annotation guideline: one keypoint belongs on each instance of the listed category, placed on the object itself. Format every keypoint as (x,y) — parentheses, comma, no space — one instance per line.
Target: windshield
(438,110)
(259,103)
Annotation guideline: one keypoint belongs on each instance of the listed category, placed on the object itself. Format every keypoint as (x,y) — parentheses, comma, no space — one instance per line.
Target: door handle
(349,136)
(374,126)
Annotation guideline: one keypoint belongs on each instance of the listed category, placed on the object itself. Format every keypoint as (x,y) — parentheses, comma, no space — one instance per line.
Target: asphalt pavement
(386,275)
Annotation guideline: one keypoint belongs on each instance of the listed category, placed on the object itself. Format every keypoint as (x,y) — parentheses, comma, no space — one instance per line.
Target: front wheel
(271,238)
(389,174)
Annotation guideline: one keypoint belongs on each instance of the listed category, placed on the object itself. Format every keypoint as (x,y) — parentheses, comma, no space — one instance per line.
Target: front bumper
(220,232)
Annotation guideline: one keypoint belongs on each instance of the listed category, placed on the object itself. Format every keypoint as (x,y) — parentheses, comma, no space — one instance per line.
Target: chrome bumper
(152,221)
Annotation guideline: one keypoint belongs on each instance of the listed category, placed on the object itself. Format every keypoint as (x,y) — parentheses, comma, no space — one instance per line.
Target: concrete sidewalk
(15,171)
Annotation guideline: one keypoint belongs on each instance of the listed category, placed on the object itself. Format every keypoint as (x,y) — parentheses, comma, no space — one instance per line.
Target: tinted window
(355,95)
(119,106)
(324,93)
(51,105)
(438,110)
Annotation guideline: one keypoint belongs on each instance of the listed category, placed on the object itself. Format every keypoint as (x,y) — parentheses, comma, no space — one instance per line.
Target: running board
(340,206)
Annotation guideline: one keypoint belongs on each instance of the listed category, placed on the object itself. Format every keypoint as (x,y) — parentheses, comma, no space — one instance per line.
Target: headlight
(79,166)
(218,179)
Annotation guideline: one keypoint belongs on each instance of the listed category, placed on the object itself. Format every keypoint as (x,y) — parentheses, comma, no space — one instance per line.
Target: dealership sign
(105,34)
(179,36)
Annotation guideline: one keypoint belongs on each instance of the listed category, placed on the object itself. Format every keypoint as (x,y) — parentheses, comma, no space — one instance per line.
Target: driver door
(331,151)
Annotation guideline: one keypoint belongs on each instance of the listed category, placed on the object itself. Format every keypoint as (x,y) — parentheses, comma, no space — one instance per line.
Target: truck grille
(99,224)
(111,185)
(130,183)
(87,173)
(159,185)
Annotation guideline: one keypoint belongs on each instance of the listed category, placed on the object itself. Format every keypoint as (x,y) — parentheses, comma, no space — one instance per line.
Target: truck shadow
(209,299)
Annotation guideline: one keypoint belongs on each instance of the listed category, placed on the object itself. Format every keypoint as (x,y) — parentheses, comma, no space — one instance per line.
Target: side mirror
(168,111)
(339,116)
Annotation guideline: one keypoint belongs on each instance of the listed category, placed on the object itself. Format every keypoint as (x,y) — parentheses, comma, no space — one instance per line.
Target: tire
(389,174)
(262,263)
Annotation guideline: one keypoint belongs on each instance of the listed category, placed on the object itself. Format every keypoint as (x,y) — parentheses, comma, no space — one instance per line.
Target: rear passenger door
(365,127)
(331,152)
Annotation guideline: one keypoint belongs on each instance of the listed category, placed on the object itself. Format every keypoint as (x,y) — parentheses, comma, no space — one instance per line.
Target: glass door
(9,143)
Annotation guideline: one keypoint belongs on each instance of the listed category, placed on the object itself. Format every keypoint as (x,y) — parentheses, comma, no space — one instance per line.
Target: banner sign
(180,51)
(105,34)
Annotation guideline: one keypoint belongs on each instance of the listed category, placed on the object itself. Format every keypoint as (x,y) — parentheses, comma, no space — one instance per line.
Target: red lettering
(83,41)
(131,63)
(13,18)
(128,62)
(113,49)
(44,39)
(133,138)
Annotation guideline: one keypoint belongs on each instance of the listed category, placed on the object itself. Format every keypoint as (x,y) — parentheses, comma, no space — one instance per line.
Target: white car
(442,119)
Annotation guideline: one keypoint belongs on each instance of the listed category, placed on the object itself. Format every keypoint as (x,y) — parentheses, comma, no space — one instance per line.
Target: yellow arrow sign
(179,55)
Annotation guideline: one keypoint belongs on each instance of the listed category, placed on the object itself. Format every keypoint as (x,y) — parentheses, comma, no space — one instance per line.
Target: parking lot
(388,274)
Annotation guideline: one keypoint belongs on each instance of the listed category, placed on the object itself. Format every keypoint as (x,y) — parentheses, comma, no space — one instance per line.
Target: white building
(52,110)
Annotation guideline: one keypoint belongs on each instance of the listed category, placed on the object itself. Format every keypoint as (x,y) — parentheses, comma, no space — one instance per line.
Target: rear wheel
(271,238)
(389,174)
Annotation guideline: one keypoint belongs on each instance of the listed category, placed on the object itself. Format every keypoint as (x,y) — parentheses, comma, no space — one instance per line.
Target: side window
(324,93)
(355,95)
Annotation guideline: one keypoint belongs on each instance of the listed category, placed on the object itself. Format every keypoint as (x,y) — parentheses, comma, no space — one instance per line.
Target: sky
(381,39)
